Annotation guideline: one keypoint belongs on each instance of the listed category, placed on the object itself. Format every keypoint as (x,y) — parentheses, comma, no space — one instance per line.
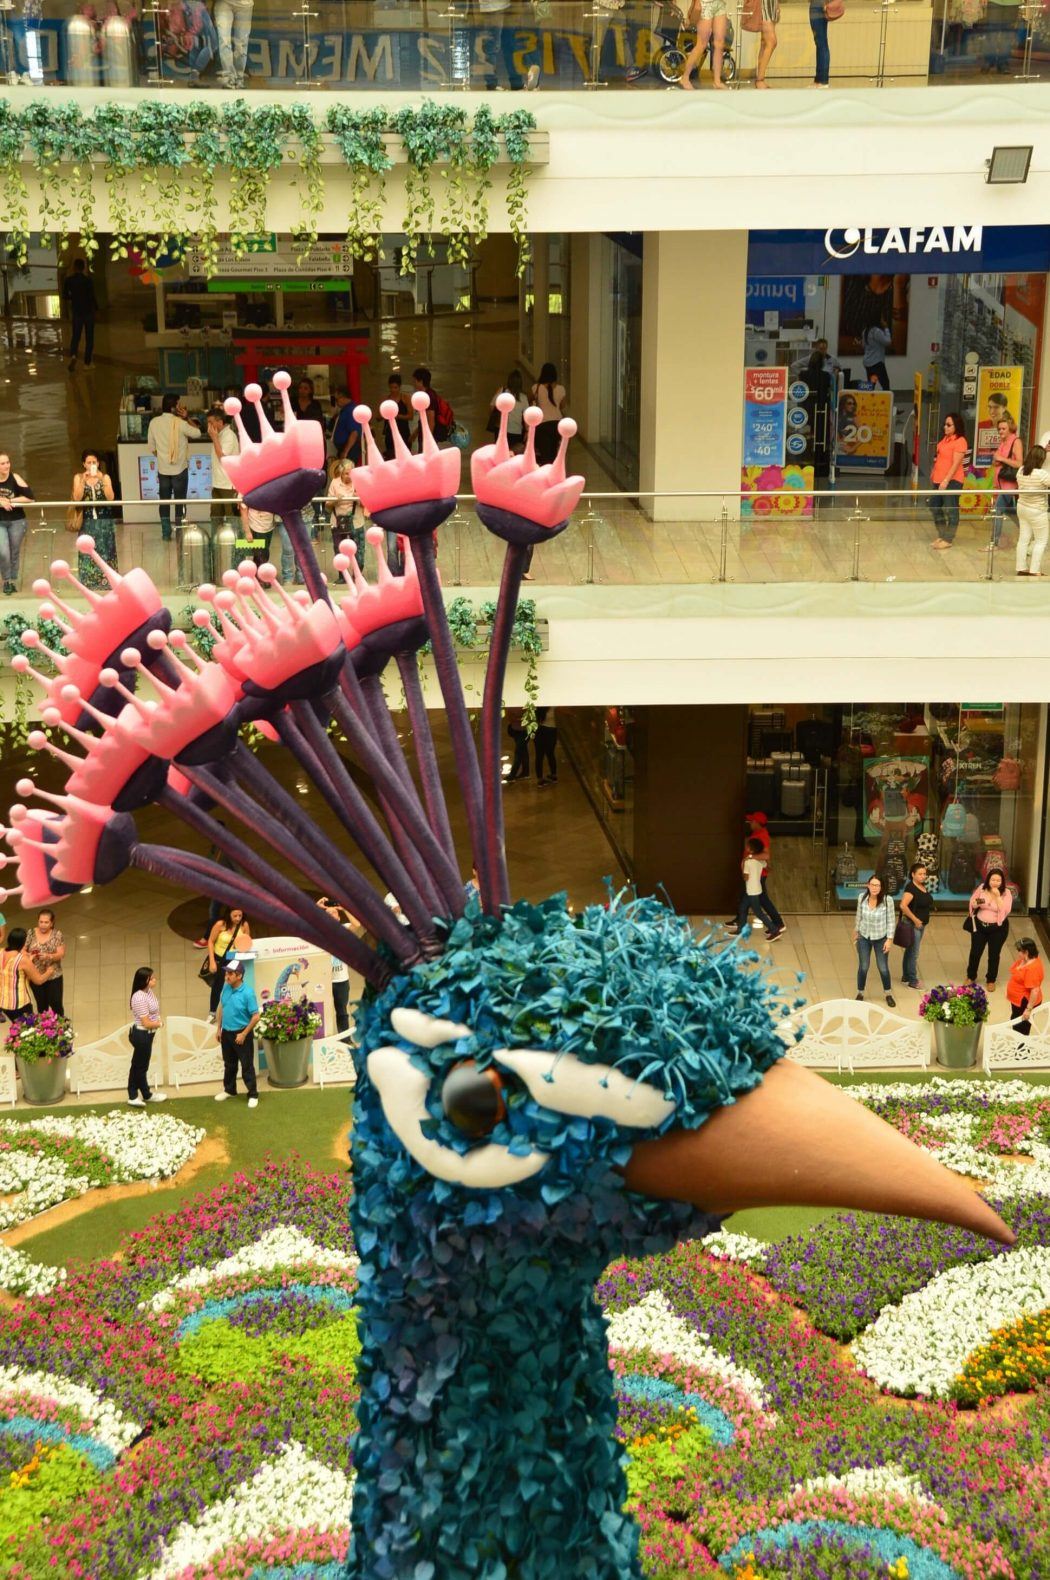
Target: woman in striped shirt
(873,933)
(145,1007)
(17,970)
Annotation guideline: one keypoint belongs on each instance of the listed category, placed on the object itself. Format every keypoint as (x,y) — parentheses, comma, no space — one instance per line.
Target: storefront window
(619,357)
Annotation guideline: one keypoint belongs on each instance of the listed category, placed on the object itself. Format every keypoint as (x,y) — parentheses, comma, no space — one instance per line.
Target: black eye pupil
(473,1099)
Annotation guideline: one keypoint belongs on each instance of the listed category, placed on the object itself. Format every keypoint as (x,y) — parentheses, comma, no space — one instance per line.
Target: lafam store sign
(900,249)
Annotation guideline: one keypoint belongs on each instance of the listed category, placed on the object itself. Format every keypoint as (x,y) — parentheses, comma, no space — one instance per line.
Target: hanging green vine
(463,622)
(160,162)
(15,733)
(359,137)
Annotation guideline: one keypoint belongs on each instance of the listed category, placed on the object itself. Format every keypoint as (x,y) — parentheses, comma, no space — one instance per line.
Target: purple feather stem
(426,756)
(347,706)
(305,557)
(274,888)
(464,749)
(491,714)
(386,734)
(288,830)
(358,819)
(313,926)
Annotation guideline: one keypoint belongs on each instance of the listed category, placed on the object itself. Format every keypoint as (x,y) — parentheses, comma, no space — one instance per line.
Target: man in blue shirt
(346,434)
(237,1017)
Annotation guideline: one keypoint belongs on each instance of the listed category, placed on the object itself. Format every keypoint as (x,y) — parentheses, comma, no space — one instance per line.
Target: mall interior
(747,613)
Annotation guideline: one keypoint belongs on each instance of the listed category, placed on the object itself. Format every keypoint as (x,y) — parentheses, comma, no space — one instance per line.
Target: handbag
(74,518)
(903,933)
(1007,474)
(833,9)
(751,16)
(968,925)
(207,975)
(492,426)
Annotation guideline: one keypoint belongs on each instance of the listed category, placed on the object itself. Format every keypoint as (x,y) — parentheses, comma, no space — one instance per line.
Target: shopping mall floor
(48,416)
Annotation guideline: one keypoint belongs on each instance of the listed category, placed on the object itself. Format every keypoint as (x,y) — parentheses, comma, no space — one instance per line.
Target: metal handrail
(840,493)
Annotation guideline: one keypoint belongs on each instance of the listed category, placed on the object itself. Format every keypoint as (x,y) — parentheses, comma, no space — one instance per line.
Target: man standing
(168,437)
(223,444)
(236,1022)
(346,434)
(78,292)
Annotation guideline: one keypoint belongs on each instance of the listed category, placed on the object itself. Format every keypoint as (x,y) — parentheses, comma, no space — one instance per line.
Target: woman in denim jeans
(873,933)
(818,24)
(14,493)
(916,905)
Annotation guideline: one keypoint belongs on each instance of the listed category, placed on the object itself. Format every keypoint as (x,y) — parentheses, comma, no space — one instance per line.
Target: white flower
(892,1480)
(284,1247)
(31,1183)
(921,1345)
(731,1247)
(20,1275)
(652,1325)
(289,1493)
(102,1419)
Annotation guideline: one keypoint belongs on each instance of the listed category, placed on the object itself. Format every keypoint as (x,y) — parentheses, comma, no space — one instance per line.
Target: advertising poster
(873,299)
(149,488)
(999,390)
(896,794)
(765,416)
(864,431)
(198,482)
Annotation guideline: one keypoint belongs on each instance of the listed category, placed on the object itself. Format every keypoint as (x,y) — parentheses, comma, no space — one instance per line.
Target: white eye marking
(425,1030)
(403,1093)
(589,1091)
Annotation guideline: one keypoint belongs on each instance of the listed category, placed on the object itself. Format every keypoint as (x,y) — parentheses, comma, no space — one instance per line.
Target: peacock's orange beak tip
(796,1140)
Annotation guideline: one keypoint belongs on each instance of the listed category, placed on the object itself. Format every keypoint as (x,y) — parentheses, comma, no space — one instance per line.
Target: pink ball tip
(247,567)
(231,406)
(301,596)
(201,618)
(505,401)
(267,573)
(282,380)
(533,416)
(388,410)
(85,543)
(23,787)
(349,548)
(41,588)
(157,639)
(253,393)
(70,693)
(130,658)
(20,664)
(51,717)
(177,639)
(224,600)
(46,611)
(374,534)
(18,813)
(30,638)
(341,563)
(363,414)
(37,740)
(108,677)
(206,591)
(246,586)
(59,568)
(230,578)
(567,428)
(420,401)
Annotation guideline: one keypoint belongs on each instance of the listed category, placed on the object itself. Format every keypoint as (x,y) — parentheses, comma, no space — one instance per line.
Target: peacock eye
(473,1099)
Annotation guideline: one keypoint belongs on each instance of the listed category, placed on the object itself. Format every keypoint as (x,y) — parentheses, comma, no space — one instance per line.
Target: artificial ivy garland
(160,162)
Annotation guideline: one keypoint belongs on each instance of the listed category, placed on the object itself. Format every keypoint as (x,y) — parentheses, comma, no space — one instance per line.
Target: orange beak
(796,1140)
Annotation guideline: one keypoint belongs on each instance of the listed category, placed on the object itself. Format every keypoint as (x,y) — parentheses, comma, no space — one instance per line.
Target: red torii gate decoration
(345,349)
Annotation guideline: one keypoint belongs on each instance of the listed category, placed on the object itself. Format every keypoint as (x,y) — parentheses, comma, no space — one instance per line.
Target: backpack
(894,874)
(1008,774)
(953,823)
(846,866)
(961,873)
(444,417)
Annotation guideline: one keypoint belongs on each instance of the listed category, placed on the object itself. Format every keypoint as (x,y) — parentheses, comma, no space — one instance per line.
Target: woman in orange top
(947,475)
(1025,987)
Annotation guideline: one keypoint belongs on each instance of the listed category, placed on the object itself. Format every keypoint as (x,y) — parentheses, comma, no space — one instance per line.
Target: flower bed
(187,1411)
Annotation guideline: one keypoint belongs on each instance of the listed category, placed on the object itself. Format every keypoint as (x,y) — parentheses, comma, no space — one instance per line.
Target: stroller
(673,38)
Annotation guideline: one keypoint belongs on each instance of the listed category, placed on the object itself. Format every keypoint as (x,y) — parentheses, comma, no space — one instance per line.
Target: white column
(694,291)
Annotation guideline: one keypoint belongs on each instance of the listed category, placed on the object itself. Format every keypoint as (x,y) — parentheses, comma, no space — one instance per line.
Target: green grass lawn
(306,1122)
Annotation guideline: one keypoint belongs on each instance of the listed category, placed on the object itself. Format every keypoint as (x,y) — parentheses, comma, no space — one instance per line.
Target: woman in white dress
(1033,480)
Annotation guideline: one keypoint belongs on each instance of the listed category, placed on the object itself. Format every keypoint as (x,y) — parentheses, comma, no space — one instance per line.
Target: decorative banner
(896,793)
(864,431)
(765,416)
(999,390)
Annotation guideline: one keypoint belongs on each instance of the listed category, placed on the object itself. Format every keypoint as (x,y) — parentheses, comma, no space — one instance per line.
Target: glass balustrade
(613,541)
(513,44)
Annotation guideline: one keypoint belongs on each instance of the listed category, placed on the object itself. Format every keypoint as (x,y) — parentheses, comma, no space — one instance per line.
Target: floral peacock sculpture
(537,1091)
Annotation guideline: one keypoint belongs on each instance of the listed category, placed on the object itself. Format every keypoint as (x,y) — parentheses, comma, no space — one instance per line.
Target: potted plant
(957,1014)
(41,1045)
(287,1028)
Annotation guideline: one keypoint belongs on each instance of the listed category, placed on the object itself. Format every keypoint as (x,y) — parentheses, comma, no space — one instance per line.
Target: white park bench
(1006,1049)
(333,1060)
(844,1033)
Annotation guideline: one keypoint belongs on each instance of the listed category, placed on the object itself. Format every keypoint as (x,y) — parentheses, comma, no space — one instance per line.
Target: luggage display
(793,798)
(760,783)
(846,865)
(763,722)
(893,874)
(815,739)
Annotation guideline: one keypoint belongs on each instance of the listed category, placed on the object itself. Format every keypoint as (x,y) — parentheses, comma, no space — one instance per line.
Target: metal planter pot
(43,1080)
(956,1045)
(287,1063)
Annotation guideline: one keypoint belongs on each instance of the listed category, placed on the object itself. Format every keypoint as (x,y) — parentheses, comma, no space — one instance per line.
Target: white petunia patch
(284,1247)
(652,1325)
(103,1420)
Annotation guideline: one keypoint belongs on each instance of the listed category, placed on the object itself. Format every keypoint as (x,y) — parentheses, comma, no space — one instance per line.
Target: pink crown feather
(515,483)
(408,479)
(299,448)
(390,601)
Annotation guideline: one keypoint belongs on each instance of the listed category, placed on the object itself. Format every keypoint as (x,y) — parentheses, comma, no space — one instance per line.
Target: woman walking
(17,972)
(145,1009)
(93,488)
(14,493)
(46,948)
(1007,459)
(990,905)
(947,476)
(1033,525)
(229,936)
(550,397)
(916,906)
(872,934)
(1025,987)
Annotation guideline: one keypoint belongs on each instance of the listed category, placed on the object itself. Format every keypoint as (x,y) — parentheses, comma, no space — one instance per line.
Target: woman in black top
(14,493)
(916,905)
